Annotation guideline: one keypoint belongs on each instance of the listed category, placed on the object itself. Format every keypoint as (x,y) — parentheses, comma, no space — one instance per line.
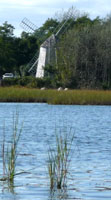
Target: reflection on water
(90,169)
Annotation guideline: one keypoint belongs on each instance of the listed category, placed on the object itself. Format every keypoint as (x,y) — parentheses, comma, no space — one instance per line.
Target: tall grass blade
(58,159)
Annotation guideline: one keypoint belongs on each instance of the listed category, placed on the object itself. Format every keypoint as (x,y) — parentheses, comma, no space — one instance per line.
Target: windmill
(47,51)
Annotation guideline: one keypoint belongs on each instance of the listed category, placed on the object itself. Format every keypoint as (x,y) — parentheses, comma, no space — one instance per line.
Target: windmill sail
(28,26)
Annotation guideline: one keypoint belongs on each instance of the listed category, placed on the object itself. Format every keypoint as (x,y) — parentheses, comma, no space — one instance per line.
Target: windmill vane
(28,25)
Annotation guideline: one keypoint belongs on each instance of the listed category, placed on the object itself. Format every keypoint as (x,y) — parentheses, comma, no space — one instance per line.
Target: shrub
(9,82)
(105,86)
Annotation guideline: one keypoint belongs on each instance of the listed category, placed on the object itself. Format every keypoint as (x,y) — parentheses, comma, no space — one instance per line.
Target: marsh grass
(9,151)
(70,97)
(59,159)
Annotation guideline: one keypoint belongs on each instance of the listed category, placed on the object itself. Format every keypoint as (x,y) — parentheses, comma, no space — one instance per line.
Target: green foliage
(83,54)
(105,86)
(6,30)
(24,81)
(27,81)
(9,82)
(46,30)
(15,52)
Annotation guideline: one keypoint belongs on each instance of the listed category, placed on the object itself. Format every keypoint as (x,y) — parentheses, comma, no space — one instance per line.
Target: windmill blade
(28,26)
(32,65)
(65,24)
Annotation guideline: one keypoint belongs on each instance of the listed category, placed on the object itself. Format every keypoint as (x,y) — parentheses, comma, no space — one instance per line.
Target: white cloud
(15,2)
(38,11)
(28,2)
(73,1)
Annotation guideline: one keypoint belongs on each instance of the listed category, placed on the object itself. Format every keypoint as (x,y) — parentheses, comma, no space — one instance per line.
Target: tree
(46,30)
(7,60)
(6,30)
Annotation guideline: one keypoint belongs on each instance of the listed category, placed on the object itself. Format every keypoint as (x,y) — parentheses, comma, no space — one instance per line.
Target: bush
(105,86)
(33,82)
(22,81)
(9,82)
(27,81)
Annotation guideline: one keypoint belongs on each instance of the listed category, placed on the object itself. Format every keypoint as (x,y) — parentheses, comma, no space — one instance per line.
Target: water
(90,169)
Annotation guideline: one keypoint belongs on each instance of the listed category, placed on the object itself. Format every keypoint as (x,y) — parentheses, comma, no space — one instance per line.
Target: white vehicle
(8,75)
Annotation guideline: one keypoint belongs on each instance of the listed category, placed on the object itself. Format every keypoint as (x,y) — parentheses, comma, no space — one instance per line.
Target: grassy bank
(70,97)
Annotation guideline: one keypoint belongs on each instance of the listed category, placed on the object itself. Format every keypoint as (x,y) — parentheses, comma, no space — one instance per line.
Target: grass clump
(9,152)
(59,160)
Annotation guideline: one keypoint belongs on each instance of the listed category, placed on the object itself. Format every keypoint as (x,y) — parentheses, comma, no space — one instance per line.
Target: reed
(9,152)
(69,97)
(51,169)
(59,159)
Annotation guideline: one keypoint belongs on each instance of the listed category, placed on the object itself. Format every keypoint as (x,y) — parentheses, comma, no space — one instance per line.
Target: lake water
(90,168)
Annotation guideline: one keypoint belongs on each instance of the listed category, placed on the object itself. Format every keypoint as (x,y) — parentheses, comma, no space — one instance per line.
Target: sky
(38,11)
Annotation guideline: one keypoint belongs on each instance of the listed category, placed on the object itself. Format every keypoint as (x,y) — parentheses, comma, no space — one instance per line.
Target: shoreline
(55,97)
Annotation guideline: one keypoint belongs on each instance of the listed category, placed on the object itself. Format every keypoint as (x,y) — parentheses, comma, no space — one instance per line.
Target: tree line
(83,52)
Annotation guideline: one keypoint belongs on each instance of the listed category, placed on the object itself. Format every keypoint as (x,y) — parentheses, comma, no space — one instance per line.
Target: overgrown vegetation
(27,81)
(70,97)
(84,59)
